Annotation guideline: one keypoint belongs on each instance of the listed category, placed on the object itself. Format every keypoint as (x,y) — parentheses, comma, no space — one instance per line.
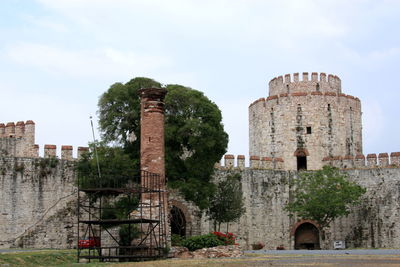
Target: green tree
(227,204)
(194,135)
(324,195)
(116,168)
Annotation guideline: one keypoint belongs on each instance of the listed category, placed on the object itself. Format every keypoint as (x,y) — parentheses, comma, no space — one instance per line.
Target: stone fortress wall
(38,203)
(374,223)
(18,140)
(37,195)
(345,162)
(309,118)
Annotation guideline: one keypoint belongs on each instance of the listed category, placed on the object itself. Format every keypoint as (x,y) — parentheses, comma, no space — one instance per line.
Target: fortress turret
(303,121)
(18,139)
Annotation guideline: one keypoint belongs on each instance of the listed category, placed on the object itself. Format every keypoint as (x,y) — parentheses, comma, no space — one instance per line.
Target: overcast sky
(58,56)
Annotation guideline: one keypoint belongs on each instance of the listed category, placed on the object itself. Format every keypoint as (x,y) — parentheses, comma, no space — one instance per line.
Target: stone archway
(306,235)
(178,222)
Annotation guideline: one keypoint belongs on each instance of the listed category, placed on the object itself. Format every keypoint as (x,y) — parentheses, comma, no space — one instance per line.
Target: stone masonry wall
(373,224)
(38,203)
(312,116)
(18,139)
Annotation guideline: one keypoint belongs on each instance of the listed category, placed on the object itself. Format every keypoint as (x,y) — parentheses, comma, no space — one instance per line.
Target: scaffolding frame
(147,220)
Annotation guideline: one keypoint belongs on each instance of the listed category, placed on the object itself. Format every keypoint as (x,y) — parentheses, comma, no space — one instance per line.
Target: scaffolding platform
(134,231)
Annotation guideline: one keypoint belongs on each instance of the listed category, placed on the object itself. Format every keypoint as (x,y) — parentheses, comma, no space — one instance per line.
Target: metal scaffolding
(122,221)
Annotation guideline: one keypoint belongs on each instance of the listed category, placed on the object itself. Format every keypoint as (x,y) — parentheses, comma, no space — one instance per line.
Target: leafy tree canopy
(194,135)
(116,168)
(324,195)
(227,203)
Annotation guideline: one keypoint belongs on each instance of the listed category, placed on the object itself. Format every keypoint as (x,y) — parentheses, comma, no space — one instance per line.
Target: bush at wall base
(202,241)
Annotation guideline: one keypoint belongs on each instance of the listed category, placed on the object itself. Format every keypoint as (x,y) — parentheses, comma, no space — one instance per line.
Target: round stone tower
(305,121)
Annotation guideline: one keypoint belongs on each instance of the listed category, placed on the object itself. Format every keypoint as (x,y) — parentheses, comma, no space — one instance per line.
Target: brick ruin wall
(311,115)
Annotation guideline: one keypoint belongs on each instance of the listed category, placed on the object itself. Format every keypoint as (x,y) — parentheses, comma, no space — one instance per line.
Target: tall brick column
(152,159)
(152,152)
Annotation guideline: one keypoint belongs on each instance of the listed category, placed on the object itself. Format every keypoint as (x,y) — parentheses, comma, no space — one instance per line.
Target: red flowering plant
(228,238)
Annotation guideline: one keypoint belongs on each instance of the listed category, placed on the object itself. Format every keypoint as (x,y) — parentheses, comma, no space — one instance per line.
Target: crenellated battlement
(18,130)
(18,140)
(381,160)
(66,151)
(299,94)
(256,162)
(319,82)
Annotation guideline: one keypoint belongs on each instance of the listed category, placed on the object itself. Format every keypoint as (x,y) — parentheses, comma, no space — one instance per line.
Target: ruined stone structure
(37,194)
(303,122)
(372,224)
(305,125)
(152,152)
(18,140)
(301,125)
(37,203)
(152,159)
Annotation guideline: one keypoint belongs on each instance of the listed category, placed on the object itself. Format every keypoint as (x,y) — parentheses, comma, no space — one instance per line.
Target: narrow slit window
(309,130)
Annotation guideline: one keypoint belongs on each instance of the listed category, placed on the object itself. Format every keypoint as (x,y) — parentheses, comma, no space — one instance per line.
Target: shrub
(202,241)
(176,240)
(228,238)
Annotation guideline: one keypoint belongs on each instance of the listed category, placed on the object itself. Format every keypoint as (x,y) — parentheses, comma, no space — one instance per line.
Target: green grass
(41,258)
(50,257)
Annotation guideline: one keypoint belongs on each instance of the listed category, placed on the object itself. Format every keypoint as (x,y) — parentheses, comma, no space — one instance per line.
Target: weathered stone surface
(204,253)
(180,252)
(312,115)
(372,224)
(38,203)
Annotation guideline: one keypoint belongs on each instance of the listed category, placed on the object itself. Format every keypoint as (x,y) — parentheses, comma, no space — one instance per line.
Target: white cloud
(96,62)
(47,23)
(276,21)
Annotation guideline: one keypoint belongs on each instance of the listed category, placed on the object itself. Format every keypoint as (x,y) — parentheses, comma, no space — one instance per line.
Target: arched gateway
(306,236)
(178,222)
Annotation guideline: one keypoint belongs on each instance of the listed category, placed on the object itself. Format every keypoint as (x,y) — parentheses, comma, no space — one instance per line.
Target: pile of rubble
(233,251)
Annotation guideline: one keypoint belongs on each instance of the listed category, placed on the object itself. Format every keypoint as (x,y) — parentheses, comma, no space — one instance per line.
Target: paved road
(329,252)
(356,257)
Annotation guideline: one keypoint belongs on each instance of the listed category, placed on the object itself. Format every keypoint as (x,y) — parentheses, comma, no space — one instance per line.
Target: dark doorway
(306,237)
(301,163)
(178,222)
